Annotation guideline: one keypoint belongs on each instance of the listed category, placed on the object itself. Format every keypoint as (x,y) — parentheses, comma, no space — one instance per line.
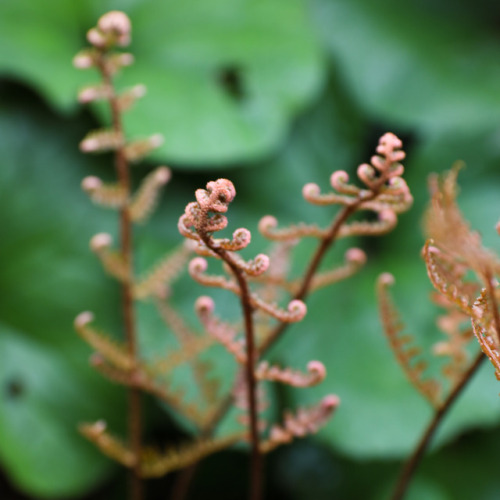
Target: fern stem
(415,458)
(249,370)
(128,311)
(325,244)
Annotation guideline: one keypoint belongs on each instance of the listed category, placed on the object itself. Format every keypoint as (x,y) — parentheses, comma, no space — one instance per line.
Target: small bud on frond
(99,141)
(197,268)
(146,197)
(137,150)
(100,242)
(113,28)
(241,239)
(85,59)
(295,312)
(117,25)
(404,352)
(312,193)
(96,38)
(113,262)
(338,181)
(114,352)
(217,196)
(107,195)
(93,93)
(254,267)
(316,374)
(306,421)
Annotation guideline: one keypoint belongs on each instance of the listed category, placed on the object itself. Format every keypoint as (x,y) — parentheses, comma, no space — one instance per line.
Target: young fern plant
(384,192)
(118,361)
(453,254)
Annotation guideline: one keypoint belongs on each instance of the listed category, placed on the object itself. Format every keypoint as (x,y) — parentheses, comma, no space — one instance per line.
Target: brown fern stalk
(256,459)
(206,217)
(453,250)
(122,169)
(411,465)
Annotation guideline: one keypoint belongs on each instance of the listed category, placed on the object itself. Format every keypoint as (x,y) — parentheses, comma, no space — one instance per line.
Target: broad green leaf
(429,65)
(265,51)
(42,401)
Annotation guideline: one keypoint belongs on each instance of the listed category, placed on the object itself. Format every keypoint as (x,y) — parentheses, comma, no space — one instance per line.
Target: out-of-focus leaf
(426,64)
(42,401)
(224,77)
(47,277)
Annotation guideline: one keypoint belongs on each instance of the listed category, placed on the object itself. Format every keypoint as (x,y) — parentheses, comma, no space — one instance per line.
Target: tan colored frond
(174,398)
(268,227)
(400,344)
(354,261)
(112,261)
(312,193)
(108,444)
(385,223)
(146,198)
(444,223)
(99,141)
(487,345)
(154,463)
(175,322)
(316,373)
(114,352)
(304,422)
(222,332)
(197,268)
(106,195)
(112,372)
(209,385)
(446,274)
(136,150)
(454,347)
(189,352)
(165,271)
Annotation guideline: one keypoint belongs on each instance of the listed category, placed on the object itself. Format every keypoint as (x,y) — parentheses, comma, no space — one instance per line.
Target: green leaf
(224,77)
(42,402)
(433,66)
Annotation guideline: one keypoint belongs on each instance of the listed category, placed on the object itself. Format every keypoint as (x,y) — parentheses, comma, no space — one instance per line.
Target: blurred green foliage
(291,91)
